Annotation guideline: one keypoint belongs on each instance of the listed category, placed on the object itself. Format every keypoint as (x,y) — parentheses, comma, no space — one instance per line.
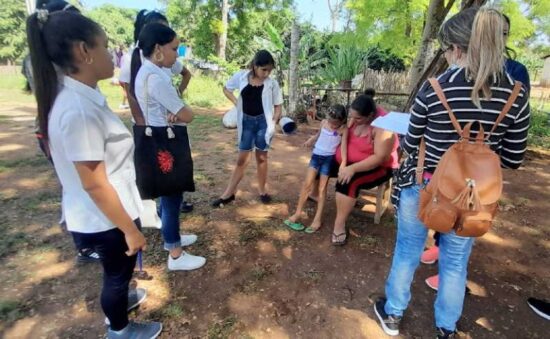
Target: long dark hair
(145,17)
(56,5)
(261,58)
(51,37)
(364,104)
(150,36)
(510,53)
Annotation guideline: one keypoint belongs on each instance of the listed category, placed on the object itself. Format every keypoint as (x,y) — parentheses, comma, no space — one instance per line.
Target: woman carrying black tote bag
(164,167)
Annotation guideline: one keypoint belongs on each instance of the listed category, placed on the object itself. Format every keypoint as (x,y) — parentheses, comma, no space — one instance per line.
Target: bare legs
(306,188)
(344,206)
(309,184)
(261,166)
(238,173)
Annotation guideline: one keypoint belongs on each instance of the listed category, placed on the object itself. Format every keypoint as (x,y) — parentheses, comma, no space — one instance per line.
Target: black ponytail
(44,74)
(51,37)
(135,65)
(364,104)
(151,35)
(145,17)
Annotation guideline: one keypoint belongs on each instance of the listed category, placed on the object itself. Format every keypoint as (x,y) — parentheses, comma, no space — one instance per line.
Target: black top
(252,100)
(429,119)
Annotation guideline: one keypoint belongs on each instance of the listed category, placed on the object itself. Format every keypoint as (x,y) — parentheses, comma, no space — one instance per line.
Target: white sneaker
(185,262)
(188,239)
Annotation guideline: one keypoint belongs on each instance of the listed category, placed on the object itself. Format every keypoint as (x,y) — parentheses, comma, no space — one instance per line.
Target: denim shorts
(253,133)
(321,163)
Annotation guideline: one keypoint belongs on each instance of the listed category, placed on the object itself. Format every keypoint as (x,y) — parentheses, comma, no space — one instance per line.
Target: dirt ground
(261,280)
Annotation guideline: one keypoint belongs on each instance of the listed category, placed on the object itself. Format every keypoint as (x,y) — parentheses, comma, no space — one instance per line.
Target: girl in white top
(158,98)
(258,110)
(328,139)
(92,152)
(145,17)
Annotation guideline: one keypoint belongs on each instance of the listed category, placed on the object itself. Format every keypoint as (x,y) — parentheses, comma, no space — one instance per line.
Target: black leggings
(117,272)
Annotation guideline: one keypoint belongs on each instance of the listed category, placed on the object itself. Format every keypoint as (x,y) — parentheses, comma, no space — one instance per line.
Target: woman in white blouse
(158,98)
(143,18)
(92,152)
(258,110)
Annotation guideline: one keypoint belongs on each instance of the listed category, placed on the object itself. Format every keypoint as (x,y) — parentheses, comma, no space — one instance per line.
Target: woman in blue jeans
(476,55)
(258,109)
(159,101)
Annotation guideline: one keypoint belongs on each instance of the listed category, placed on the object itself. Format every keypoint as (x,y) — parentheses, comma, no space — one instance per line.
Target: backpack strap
(439,92)
(422,148)
(441,96)
(511,99)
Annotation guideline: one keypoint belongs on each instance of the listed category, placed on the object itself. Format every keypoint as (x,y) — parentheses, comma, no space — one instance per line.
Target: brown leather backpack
(464,190)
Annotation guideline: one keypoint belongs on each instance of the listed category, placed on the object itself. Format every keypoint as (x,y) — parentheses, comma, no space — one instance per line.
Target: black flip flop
(220,201)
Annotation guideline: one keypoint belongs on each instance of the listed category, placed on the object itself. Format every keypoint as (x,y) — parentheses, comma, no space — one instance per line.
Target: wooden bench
(382,196)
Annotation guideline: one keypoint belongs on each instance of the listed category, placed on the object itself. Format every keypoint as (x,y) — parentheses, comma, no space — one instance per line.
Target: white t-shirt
(162,97)
(126,63)
(83,128)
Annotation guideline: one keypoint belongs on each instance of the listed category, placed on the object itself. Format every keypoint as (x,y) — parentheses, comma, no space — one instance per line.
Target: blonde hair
(485,55)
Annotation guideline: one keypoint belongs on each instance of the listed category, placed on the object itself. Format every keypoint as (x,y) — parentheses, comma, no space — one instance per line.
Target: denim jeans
(117,271)
(170,216)
(254,130)
(454,252)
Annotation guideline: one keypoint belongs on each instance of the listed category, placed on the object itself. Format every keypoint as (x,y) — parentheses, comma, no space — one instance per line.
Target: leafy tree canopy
(199,22)
(13,40)
(117,22)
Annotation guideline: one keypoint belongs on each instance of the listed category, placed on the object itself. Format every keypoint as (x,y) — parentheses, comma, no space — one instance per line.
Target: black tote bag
(162,158)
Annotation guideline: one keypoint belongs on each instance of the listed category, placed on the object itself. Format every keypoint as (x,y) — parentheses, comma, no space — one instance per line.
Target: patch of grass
(250,231)
(172,311)
(539,134)
(313,275)
(203,127)
(367,241)
(10,310)
(222,329)
(12,89)
(44,201)
(11,242)
(203,178)
(204,91)
(254,277)
(35,161)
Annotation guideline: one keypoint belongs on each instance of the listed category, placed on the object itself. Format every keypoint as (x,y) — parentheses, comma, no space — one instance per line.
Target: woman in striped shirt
(477,88)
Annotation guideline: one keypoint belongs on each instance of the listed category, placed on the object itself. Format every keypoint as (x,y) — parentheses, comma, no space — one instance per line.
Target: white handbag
(149,216)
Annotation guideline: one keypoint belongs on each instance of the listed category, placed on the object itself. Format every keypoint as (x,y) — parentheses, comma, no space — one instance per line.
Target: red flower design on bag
(166,161)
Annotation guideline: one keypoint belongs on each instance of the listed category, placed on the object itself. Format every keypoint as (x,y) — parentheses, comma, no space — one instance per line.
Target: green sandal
(310,230)
(296,226)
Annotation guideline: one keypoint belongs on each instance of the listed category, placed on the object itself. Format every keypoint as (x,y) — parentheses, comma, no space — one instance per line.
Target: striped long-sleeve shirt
(429,119)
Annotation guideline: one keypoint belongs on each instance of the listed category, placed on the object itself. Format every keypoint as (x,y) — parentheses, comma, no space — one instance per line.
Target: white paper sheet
(396,122)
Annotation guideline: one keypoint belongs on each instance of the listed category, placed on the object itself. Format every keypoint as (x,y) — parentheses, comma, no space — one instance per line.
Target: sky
(314,11)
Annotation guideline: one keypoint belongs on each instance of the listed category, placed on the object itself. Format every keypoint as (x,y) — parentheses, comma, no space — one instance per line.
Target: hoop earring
(89,61)
(157,58)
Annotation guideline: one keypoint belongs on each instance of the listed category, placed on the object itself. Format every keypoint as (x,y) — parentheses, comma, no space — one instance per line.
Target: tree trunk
(434,18)
(222,37)
(335,12)
(438,63)
(293,83)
